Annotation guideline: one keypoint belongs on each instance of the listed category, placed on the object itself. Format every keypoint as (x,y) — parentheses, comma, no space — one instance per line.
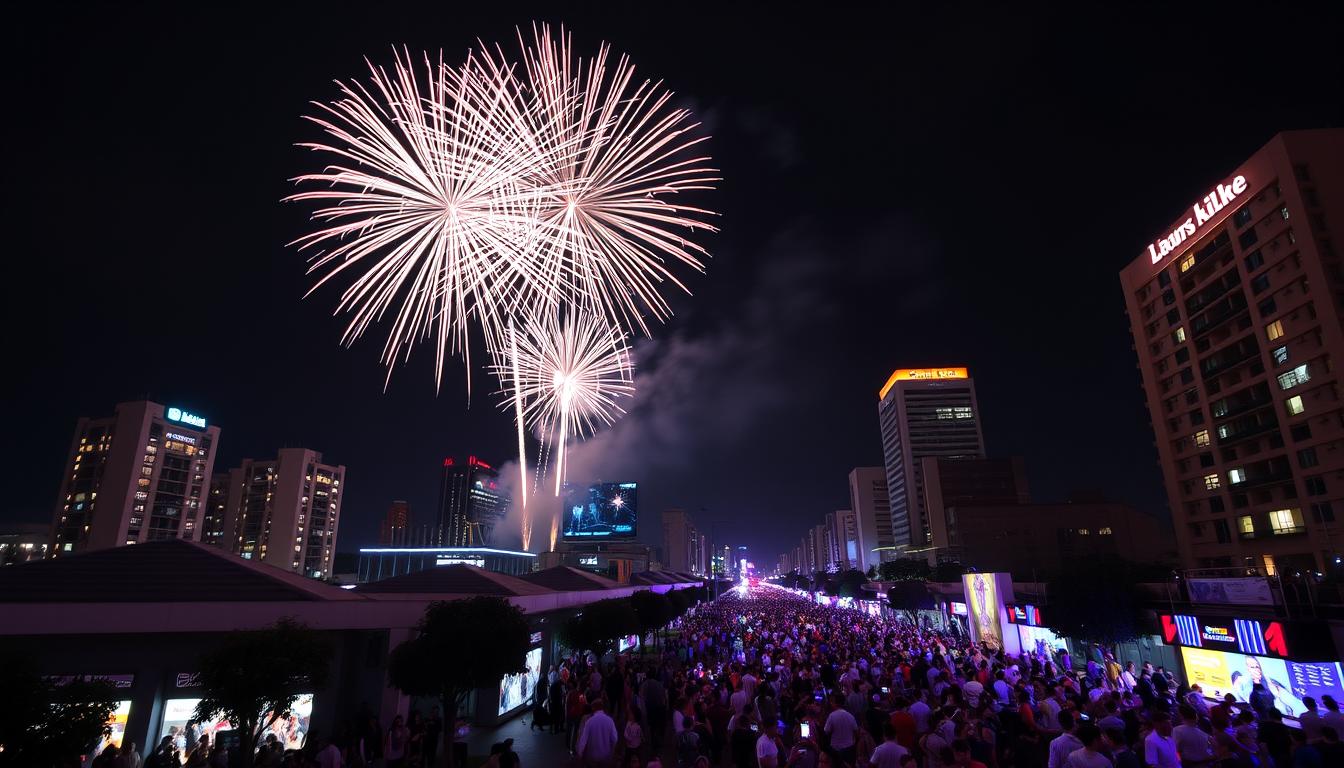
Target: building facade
(678,535)
(1235,313)
(286,511)
(471,504)
(395,530)
(872,513)
(961,483)
(139,475)
(923,412)
(216,509)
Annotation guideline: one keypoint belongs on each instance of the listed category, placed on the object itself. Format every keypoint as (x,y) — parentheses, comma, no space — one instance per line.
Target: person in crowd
(395,742)
(1193,744)
(1159,750)
(596,747)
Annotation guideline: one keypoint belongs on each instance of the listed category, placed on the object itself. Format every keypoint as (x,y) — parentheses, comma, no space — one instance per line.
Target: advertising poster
(117,722)
(515,690)
(1316,679)
(1220,673)
(185,732)
(984,601)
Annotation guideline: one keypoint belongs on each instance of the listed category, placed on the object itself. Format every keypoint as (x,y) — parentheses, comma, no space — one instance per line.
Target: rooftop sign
(1202,213)
(922,374)
(185,417)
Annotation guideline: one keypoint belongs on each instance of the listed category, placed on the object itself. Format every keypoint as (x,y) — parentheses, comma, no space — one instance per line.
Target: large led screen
(1220,673)
(601,511)
(514,690)
(177,723)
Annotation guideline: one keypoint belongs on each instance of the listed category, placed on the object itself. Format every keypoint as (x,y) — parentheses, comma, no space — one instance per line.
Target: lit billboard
(515,690)
(601,511)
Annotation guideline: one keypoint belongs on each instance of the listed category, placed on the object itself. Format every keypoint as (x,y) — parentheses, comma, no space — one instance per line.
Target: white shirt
(1082,758)
(597,740)
(1192,744)
(841,727)
(920,711)
(1160,751)
(1061,747)
(888,755)
(765,747)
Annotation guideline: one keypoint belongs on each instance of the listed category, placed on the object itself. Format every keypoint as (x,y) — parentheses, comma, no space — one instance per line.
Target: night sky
(900,191)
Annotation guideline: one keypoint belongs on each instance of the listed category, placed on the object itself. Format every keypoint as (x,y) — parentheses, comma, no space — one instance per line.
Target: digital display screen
(1219,673)
(117,723)
(601,511)
(515,690)
(185,732)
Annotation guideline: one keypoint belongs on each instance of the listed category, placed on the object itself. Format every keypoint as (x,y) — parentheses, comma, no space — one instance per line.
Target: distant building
(872,513)
(471,504)
(679,540)
(1237,324)
(139,475)
(285,511)
(960,483)
(22,543)
(378,563)
(216,509)
(395,530)
(844,538)
(923,412)
(1034,540)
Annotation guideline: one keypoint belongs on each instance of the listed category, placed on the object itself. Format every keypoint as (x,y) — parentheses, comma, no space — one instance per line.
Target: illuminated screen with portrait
(1220,673)
(179,725)
(514,690)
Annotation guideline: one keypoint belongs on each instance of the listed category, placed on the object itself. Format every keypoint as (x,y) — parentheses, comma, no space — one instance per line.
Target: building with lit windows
(923,412)
(395,530)
(1235,312)
(141,474)
(872,513)
(471,504)
(216,509)
(285,511)
(24,542)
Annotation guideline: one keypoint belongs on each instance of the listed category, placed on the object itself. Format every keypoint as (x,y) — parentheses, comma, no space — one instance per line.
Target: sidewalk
(535,748)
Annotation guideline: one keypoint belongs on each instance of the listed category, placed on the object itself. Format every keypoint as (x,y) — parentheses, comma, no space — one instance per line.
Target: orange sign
(922,374)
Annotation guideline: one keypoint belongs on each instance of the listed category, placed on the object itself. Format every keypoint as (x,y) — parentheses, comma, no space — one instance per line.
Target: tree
(1096,601)
(850,583)
(652,610)
(604,621)
(462,645)
(904,569)
(44,723)
(255,676)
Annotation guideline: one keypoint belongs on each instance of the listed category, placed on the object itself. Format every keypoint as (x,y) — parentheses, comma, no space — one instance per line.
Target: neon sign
(1202,213)
(185,417)
(922,374)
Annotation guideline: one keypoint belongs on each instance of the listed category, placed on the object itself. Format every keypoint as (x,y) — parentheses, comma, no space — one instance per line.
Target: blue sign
(185,417)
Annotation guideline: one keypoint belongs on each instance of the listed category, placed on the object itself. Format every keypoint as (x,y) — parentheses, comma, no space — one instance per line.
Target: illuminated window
(1104,531)
(1295,405)
(1298,375)
(1083,531)
(1202,438)
(1189,261)
(1245,524)
(1178,335)
(1237,475)
(1285,520)
(1211,482)
(1274,330)
(1281,355)
(1270,570)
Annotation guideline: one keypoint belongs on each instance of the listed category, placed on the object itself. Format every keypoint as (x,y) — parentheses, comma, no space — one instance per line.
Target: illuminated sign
(588,560)
(1202,213)
(958,609)
(185,417)
(183,438)
(922,374)
(1250,636)
(535,638)
(1028,615)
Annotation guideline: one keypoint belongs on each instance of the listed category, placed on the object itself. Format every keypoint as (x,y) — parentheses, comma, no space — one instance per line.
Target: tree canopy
(1096,601)
(45,722)
(462,645)
(255,676)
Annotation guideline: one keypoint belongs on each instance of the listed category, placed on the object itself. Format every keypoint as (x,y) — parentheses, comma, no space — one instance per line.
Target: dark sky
(900,190)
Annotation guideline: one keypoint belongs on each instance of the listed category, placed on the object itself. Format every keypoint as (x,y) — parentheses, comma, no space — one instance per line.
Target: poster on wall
(514,690)
(1220,673)
(985,593)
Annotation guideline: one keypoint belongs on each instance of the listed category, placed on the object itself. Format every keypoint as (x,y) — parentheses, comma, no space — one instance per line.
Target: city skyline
(746,409)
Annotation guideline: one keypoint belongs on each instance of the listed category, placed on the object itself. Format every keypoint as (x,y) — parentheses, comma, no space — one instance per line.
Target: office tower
(394,531)
(872,512)
(285,511)
(216,508)
(702,557)
(1235,314)
(677,532)
(844,532)
(923,412)
(138,475)
(953,485)
(470,504)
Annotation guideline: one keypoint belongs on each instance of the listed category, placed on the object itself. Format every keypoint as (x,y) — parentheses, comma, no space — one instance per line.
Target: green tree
(46,724)
(652,610)
(461,645)
(1096,601)
(850,583)
(254,677)
(904,569)
(604,621)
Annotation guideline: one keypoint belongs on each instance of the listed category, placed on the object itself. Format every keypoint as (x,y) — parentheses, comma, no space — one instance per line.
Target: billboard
(178,723)
(601,511)
(515,690)
(1221,672)
(985,593)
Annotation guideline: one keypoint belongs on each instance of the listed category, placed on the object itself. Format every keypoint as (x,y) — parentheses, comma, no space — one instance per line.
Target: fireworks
(537,202)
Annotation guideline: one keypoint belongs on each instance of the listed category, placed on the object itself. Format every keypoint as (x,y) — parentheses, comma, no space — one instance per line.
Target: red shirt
(904,725)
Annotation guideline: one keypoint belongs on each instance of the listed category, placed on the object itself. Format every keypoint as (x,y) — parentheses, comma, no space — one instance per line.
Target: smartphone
(755,727)
(885,689)
(805,729)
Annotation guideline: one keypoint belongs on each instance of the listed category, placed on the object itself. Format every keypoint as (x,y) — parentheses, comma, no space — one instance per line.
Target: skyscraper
(678,534)
(872,512)
(470,504)
(139,475)
(216,509)
(1236,318)
(285,511)
(394,531)
(923,412)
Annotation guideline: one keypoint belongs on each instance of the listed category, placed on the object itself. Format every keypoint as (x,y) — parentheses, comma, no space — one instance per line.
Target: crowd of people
(766,678)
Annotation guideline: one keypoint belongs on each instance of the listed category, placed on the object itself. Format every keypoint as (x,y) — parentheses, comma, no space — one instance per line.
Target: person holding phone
(805,753)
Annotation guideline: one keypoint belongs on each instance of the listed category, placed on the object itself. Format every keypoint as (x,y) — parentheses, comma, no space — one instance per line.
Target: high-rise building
(285,511)
(470,504)
(395,529)
(139,475)
(923,412)
(678,533)
(956,484)
(872,513)
(1236,317)
(216,508)
(844,539)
